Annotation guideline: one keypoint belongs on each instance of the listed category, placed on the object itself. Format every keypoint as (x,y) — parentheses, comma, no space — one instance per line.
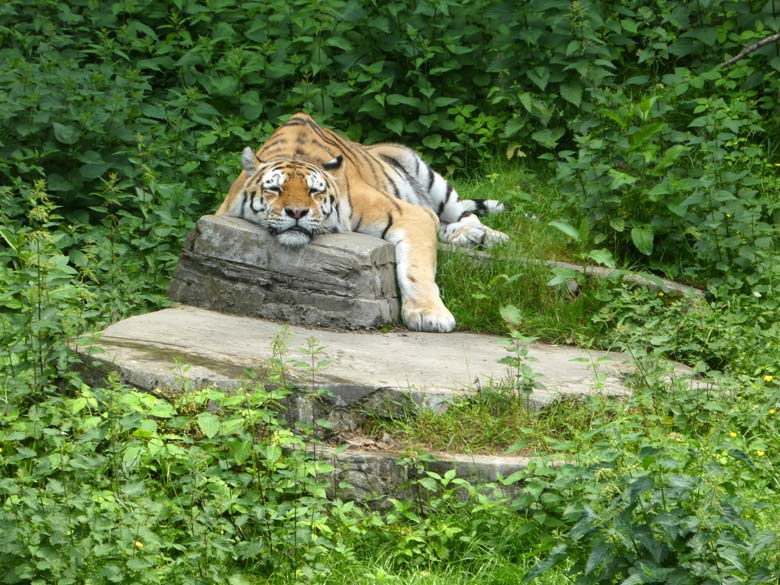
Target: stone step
(374,475)
(366,372)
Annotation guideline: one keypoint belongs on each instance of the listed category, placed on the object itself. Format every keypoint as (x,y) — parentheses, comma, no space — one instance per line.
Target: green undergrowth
(492,571)
(515,274)
(555,314)
(113,485)
(492,421)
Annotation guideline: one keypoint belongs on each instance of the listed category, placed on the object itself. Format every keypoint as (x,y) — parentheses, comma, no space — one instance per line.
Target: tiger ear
(249,161)
(333,164)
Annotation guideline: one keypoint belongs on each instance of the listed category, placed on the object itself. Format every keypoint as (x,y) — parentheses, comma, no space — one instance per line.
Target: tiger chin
(307,180)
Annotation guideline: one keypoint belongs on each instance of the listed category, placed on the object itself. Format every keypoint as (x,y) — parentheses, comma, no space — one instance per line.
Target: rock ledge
(339,280)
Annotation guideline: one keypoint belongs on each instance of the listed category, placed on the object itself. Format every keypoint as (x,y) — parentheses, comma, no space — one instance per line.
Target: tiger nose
(296,212)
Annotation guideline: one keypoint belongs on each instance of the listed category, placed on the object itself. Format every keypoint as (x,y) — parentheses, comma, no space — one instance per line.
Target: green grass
(493,421)
(490,570)
(475,290)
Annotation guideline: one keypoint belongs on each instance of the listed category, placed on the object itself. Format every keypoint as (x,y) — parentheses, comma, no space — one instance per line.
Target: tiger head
(294,199)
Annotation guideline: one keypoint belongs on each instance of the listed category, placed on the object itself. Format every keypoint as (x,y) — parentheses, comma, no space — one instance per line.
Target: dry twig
(751,49)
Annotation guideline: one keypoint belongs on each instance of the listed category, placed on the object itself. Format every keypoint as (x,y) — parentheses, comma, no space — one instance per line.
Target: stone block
(338,280)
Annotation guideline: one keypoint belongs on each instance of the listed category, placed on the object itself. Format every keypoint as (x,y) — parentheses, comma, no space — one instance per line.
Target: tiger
(307,180)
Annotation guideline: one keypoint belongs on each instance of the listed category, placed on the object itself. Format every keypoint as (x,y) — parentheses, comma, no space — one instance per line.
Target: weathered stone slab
(339,280)
(367,371)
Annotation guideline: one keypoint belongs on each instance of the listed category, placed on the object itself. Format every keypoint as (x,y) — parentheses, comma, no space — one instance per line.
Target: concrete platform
(190,347)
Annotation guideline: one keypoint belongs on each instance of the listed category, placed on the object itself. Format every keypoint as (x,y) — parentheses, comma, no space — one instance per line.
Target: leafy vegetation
(623,140)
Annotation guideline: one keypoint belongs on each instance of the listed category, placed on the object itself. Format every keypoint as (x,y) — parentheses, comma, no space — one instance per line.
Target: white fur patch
(469,231)
(293,238)
(315,182)
(273,179)
(249,161)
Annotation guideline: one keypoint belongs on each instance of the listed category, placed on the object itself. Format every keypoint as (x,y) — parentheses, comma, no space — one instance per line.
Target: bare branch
(751,49)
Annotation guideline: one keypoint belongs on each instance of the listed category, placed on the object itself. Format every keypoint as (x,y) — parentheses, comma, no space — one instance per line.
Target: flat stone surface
(338,280)
(190,347)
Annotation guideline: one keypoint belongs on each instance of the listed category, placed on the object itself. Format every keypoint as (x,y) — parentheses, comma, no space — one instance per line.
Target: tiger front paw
(436,318)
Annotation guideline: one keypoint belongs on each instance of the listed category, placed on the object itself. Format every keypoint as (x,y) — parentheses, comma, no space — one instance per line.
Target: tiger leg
(459,223)
(470,231)
(412,231)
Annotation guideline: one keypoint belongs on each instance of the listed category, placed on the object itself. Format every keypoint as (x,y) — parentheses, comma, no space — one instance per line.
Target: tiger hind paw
(469,232)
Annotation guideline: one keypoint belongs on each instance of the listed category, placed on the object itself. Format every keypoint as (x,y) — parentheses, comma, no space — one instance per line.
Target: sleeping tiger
(306,180)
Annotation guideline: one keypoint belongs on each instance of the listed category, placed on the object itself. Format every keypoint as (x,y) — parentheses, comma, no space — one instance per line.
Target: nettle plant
(671,488)
(112,485)
(679,177)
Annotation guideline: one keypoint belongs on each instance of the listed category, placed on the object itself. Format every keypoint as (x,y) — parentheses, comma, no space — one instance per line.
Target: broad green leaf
(548,137)
(152,111)
(602,256)
(677,208)
(572,93)
(146,428)
(78,258)
(637,80)
(433,141)
(617,223)
(670,157)
(443,102)
(65,134)
(240,449)
(395,124)
(208,424)
(207,139)
(600,552)
(161,409)
(614,116)
(429,484)
(395,98)
(643,236)
(515,477)
(699,122)
(273,453)
(629,25)
(78,404)
(341,43)
(514,126)
(540,76)
(645,133)
(459,49)
(511,314)
(708,35)
(566,228)
(93,170)
(131,457)
(620,179)
(527,100)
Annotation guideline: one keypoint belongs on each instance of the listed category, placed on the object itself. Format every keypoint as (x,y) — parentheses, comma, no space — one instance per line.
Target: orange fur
(307,180)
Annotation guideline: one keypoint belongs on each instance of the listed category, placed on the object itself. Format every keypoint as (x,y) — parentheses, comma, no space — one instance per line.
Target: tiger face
(293,199)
